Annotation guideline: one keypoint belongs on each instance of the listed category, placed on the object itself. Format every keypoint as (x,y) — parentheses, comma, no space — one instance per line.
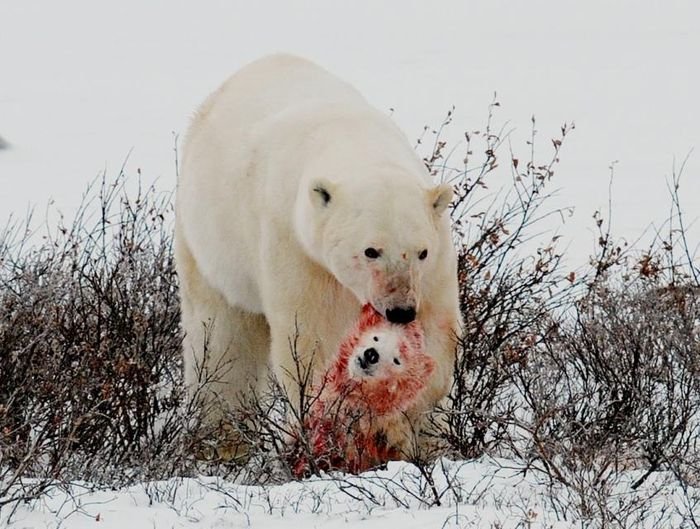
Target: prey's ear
(321,193)
(440,197)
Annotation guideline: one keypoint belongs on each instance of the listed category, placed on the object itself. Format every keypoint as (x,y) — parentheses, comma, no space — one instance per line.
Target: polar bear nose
(401,315)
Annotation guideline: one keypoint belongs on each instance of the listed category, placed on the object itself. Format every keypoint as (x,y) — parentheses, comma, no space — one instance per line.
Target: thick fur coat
(297,204)
(379,373)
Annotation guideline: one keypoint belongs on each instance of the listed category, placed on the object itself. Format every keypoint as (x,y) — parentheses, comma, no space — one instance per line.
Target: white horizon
(82,85)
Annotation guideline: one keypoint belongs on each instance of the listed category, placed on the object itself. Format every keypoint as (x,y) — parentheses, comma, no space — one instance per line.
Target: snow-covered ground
(84,83)
(480,494)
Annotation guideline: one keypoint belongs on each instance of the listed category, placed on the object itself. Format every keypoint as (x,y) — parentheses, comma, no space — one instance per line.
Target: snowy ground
(482,494)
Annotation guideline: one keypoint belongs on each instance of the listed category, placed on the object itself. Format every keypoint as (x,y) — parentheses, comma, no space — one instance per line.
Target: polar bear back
(242,163)
(270,85)
(220,199)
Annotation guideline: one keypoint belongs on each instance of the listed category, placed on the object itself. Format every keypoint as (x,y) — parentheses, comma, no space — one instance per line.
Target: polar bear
(380,371)
(381,366)
(298,203)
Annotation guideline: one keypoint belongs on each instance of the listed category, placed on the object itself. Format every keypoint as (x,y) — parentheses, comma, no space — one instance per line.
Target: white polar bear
(297,204)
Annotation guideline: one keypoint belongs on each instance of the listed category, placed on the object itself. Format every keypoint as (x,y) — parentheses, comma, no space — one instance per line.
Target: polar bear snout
(397,299)
(401,314)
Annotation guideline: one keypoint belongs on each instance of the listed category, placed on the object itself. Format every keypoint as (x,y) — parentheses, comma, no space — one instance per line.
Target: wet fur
(345,428)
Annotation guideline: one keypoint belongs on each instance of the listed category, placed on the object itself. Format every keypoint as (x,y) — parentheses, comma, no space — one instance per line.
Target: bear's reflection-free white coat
(288,177)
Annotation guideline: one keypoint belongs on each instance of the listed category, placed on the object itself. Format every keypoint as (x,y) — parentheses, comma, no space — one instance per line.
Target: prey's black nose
(371,356)
(401,315)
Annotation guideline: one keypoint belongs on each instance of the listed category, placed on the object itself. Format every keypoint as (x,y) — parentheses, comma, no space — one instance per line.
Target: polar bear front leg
(308,312)
(294,357)
(442,329)
(303,338)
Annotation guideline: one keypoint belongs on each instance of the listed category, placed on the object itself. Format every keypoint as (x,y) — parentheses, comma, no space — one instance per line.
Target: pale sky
(83,83)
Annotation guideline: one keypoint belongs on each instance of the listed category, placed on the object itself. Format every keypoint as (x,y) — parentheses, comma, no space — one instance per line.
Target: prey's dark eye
(372,253)
(423,255)
(397,361)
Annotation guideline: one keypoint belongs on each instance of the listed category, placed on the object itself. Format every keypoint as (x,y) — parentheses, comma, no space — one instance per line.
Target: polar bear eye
(423,254)
(372,253)
(397,361)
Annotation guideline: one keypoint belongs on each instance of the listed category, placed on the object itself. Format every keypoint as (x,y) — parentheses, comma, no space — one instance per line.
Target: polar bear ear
(440,197)
(321,193)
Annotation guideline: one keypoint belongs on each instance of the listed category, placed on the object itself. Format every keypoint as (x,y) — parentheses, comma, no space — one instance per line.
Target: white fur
(262,256)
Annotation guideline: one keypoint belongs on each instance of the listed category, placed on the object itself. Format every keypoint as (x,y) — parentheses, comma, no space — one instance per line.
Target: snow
(484,493)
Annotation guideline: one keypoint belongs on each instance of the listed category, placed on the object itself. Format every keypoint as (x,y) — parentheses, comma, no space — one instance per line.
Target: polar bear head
(381,366)
(379,237)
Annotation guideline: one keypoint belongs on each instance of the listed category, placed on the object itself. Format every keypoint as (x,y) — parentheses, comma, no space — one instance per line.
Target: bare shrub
(614,390)
(89,344)
(510,275)
(581,376)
